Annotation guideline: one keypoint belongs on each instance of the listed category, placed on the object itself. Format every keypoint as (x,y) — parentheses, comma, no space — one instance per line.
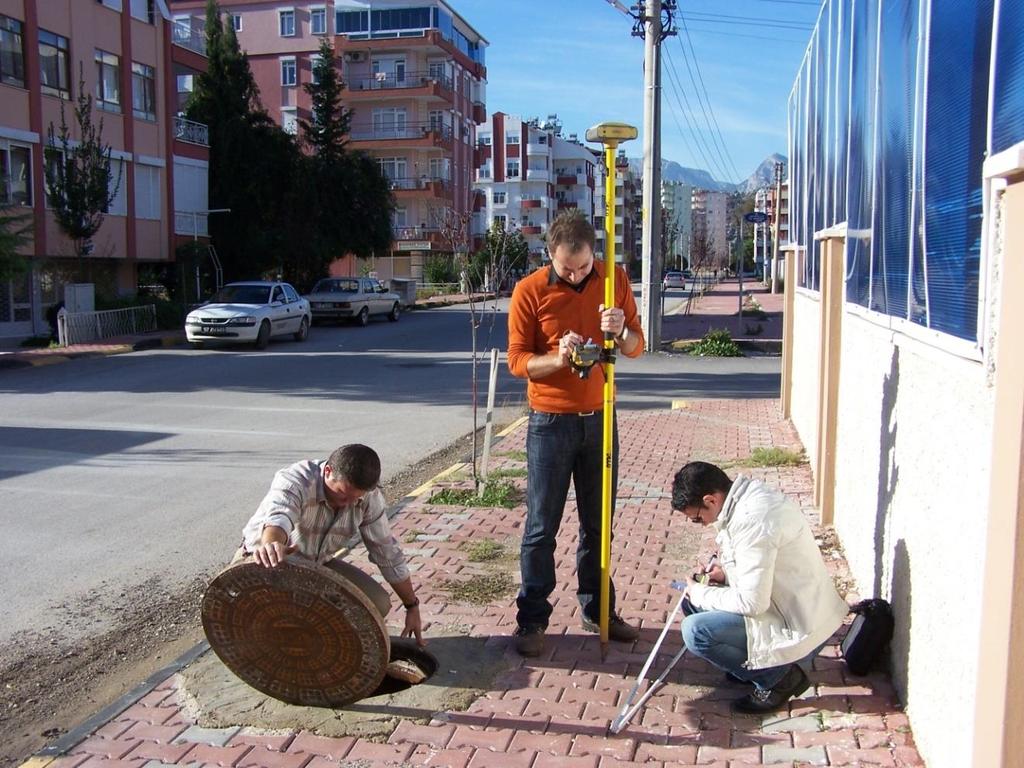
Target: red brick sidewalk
(555,710)
(718,309)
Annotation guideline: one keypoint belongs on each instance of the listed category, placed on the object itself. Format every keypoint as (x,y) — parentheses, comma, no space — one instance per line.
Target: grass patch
(496,493)
(38,342)
(773,457)
(514,455)
(483,551)
(716,343)
(410,536)
(500,474)
(480,590)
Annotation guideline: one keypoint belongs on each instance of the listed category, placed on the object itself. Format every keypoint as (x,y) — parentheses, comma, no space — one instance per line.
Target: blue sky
(576,58)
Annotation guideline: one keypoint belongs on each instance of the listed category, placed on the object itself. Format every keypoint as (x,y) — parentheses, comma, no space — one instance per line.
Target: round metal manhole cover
(299,632)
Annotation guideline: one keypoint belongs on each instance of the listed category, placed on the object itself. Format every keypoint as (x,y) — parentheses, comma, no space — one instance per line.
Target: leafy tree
(254,165)
(327,132)
(14,235)
(78,174)
(503,251)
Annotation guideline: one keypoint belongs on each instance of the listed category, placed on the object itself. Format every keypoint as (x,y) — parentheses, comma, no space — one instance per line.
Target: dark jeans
(560,448)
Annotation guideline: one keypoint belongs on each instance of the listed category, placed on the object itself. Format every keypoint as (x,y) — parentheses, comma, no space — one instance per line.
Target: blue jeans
(720,637)
(560,448)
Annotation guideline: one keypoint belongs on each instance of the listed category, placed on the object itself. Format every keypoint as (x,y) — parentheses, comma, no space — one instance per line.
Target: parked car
(353,298)
(674,280)
(250,312)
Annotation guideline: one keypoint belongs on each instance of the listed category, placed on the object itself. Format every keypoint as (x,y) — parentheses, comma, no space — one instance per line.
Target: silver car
(353,298)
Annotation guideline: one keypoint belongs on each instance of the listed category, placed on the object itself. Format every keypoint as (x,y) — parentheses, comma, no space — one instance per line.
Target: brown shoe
(530,641)
(618,630)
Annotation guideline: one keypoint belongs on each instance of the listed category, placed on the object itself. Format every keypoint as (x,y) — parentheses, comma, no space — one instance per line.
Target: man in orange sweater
(552,311)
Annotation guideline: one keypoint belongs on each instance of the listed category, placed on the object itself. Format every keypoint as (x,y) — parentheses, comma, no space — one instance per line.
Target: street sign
(755,217)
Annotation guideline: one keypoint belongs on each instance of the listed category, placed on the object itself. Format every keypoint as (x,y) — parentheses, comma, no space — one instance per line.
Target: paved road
(118,470)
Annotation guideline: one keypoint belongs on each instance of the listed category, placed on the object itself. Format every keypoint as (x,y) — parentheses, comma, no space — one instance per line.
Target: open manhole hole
(409,665)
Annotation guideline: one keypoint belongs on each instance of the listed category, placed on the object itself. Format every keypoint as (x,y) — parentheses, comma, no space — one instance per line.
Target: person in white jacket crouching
(767,603)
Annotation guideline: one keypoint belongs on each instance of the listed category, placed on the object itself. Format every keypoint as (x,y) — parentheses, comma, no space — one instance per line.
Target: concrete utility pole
(651,232)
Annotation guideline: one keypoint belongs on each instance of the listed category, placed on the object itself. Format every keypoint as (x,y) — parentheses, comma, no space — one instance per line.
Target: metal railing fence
(85,327)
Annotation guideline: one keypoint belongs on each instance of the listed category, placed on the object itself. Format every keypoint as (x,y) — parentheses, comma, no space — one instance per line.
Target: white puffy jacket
(775,576)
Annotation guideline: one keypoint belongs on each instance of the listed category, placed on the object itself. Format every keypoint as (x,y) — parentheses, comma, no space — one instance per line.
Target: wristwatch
(624,335)
(409,606)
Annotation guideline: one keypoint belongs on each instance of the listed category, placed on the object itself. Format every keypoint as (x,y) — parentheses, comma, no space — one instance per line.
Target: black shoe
(530,641)
(761,700)
(618,630)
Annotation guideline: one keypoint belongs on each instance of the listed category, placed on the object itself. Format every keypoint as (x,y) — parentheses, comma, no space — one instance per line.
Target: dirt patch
(50,683)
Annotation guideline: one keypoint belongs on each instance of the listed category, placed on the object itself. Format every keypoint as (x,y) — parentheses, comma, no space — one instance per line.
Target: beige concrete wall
(806,357)
(914,427)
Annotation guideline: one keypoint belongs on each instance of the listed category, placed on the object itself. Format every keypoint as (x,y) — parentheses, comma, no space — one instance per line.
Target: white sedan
(250,312)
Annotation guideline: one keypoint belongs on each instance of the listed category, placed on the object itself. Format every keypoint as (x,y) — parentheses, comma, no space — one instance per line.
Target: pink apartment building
(415,82)
(131,58)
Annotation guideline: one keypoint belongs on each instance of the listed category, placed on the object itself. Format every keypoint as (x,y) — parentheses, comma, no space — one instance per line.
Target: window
(12,52)
(351,21)
(112,4)
(236,22)
(143,91)
(16,170)
(439,168)
(288,70)
(436,119)
(435,69)
(401,18)
(484,141)
(290,294)
(54,65)
(389,122)
(399,218)
(286,22)
(512,168)
(512,137)
(289,120)
(502,220)
(318,20)
(108,81)
(143,10)
(498,197)
(118,185)
(393,169)
(314,64)
(147,192)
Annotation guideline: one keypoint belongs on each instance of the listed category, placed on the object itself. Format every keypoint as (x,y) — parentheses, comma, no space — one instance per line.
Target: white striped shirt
(296,503)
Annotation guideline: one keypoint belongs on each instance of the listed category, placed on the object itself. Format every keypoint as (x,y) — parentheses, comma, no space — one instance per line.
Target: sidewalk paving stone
(556,709)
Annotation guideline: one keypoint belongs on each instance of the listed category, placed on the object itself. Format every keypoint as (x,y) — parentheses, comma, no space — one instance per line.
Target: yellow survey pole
(609,134)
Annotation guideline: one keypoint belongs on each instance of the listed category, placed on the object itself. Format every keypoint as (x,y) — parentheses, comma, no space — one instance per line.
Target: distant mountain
(673,171)
(764,176)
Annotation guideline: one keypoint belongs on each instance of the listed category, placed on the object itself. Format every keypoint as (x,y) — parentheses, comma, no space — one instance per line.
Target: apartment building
(677,223)
(710,213)
(415,79)
(528,173)
(127,52)
(903,370)
(628,205)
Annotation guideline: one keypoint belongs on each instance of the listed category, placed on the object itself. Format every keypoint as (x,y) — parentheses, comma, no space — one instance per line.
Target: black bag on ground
(868,636)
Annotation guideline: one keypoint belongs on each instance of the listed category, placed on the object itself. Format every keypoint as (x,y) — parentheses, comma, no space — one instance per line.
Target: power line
(793,2)
(750,37)
(716,132)
(749,21)
(706,152)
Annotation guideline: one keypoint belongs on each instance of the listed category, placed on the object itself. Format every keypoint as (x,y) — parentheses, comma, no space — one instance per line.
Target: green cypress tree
(326,132)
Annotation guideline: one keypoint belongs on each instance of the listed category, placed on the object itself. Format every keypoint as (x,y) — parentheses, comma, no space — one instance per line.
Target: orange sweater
(540,313)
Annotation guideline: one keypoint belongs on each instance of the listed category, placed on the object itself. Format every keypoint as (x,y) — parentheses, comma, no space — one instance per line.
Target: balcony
(425,186)
(532,229)
(191,132)
(191,223)
(567,204)
(536,148)
(190,35)
(541,174)
(408,85)
(418,239)
(479,113)
(532,202)
(426,134)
